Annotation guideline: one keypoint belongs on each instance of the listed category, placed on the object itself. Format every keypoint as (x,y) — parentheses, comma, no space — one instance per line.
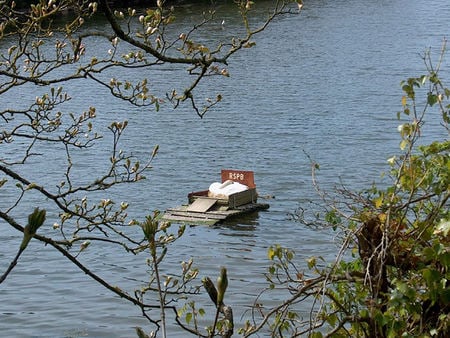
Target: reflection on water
(243,225)
(325,83)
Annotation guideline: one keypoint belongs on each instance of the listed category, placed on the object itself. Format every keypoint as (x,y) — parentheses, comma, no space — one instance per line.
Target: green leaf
(270,253)
(312,261)
(431,276)
(403,144)
(444,259)
(432,99)
(378,201)
(429,253)
(332,217)
(188,317)
(289,255)
(331,319)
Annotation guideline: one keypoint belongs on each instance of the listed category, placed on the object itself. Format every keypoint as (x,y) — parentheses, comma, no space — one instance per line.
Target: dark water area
(324,84)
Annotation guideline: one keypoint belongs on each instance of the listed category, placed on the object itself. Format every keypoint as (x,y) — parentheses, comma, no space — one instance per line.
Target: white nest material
(226,188)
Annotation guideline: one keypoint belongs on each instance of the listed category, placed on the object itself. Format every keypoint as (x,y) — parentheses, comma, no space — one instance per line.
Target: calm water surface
(325,83)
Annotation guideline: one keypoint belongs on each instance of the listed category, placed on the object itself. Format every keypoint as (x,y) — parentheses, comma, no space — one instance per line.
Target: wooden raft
(182,214)
(211,210)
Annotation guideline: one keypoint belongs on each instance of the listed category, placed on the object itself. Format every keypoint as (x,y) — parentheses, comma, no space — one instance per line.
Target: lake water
(323,83)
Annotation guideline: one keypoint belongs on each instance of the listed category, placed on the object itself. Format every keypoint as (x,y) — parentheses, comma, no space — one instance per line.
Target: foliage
(391,277)
(45,47)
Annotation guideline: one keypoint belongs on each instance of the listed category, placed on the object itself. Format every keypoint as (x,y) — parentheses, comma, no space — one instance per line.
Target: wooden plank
(190,220)
(201,204)
(242,197)
(211,217)
(197,194)
(193,214)
(221,211)
(197,217)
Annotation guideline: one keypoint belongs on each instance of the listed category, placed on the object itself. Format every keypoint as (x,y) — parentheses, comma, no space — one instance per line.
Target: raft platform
(204,209)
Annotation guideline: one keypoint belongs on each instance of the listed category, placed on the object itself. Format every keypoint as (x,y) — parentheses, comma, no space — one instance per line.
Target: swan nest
(225,189)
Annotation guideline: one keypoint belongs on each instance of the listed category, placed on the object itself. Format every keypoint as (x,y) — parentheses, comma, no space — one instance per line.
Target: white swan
(226,188)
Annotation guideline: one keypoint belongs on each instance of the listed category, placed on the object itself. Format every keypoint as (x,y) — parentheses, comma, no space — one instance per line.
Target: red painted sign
(241,176)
